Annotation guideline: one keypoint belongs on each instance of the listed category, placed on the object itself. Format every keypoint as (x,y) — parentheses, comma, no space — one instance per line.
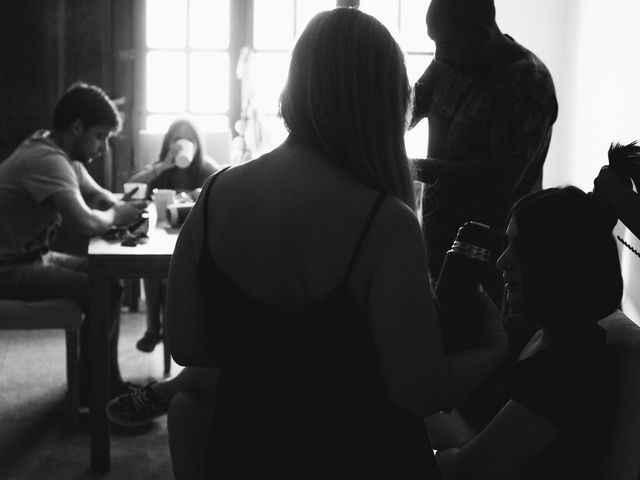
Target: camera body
(467,264)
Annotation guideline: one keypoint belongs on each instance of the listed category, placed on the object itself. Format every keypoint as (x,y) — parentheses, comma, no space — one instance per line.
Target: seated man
(43,183)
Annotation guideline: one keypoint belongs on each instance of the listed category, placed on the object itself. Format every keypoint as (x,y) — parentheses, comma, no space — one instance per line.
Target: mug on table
(162,197)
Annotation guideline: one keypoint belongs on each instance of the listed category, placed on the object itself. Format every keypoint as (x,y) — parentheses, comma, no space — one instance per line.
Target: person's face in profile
(91,143)
(456,47)
(509,264)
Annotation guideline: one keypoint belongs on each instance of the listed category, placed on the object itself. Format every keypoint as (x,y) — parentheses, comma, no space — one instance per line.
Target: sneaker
(148,342)
(122,388)
(136,408)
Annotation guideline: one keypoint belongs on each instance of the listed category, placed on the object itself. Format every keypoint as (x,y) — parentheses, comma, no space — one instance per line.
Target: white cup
(140,193)
(185,152)
(161,198)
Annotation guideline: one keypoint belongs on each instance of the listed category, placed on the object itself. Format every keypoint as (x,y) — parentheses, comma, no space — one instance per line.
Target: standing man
(491,105)
(43,183)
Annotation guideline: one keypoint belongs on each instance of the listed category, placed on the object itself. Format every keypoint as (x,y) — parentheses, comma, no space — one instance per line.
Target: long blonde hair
(347,95)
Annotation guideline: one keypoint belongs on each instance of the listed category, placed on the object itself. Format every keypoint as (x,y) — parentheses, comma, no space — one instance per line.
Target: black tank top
(300,394)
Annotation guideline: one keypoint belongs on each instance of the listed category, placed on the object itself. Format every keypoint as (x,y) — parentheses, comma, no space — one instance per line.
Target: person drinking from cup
(182,166)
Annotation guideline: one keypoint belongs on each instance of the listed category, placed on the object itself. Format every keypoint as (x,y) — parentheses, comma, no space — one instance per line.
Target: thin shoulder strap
(365,229)
(206,190)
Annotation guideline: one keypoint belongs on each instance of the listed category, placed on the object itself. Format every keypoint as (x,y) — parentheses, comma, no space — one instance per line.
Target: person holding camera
(561,275)
(183,166)
(43,183)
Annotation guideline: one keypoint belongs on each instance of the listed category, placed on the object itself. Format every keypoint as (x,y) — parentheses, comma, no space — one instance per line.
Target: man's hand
(127,212)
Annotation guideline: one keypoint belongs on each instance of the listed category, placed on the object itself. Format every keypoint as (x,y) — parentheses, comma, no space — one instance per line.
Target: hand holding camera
(467,314)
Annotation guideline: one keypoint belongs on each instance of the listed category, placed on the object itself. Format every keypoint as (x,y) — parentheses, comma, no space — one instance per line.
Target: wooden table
(110,260)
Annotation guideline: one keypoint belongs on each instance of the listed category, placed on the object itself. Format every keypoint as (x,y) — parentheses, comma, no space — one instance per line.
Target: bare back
(284,228)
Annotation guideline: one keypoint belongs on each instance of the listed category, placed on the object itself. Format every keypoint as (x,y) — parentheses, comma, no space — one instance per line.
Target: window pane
(166,82)
(273,24)
(270,70)
(209,82)
(384,10)
(166,23)
(209,24)
(413,27)
(416,65)
(204,123)
(306,9)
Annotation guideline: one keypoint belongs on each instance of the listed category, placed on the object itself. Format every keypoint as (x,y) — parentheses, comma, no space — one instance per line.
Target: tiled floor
(35,441)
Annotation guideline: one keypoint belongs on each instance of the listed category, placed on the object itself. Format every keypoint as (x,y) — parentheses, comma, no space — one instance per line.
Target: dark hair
(461,14)
(88,103)
(626,160)
(347,96)
(568,256)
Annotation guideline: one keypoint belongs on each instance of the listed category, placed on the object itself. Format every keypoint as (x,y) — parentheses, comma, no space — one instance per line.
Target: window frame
(241,20)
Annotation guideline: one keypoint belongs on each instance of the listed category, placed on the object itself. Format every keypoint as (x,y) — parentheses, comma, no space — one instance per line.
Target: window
(189,69)
(276,26)
(187,63)
(406,21)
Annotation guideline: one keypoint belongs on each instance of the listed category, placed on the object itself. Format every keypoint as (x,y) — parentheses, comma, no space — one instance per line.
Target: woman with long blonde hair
(303,276)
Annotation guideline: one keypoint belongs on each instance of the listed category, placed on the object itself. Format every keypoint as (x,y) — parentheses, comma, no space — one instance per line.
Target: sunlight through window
(209,24)
(188,58)
(187,63)
(273,24)
(306,9)
(166,81)
(272,71)
(166,23)
(208,82)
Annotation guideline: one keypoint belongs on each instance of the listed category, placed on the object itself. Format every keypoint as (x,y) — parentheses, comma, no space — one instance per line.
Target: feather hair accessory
(626,159)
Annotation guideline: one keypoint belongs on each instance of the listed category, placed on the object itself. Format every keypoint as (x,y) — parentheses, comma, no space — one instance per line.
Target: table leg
(99,367)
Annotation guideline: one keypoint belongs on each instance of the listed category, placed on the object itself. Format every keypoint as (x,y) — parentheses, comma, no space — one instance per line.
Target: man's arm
(93,194)
(442,172)
(503,172)
(90,222)
(422,94)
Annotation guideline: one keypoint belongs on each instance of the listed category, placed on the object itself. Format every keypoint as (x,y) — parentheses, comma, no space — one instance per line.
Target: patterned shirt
(501,114)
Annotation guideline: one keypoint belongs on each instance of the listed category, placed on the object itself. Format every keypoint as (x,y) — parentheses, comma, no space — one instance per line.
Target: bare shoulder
(396,224)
